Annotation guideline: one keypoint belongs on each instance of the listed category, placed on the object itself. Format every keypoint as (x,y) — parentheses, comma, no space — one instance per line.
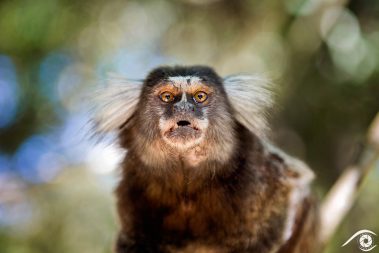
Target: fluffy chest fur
(241,206)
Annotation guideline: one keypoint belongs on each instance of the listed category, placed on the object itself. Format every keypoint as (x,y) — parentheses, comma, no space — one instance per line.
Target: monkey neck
(160,155)
(189,170)
(154,152)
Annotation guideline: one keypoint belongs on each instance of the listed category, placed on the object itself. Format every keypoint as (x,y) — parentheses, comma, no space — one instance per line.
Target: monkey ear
(250,97)
(114,104)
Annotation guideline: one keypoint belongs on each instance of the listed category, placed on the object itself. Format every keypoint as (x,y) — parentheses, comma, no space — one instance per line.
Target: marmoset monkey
(198,175)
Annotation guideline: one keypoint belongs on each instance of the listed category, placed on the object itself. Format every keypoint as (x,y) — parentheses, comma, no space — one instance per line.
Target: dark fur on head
(145,136)
(249,97)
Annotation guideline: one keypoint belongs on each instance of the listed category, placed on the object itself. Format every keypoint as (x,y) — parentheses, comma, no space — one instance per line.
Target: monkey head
(184,107)
(181,112)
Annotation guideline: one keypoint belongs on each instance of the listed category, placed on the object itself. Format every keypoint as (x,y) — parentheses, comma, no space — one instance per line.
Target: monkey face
(190,113)
(185,109)
(183,119)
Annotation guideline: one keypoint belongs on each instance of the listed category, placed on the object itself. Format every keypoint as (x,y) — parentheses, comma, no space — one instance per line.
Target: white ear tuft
(115,103)
(251,97)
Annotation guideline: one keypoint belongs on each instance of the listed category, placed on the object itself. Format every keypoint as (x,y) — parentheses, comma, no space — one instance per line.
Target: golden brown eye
(200,96)
(167,96)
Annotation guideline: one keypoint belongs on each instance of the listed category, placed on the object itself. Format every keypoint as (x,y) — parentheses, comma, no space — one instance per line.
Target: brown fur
(226,193)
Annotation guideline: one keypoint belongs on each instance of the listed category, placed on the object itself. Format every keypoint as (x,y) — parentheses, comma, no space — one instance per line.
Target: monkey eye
(167,96)
(200,96)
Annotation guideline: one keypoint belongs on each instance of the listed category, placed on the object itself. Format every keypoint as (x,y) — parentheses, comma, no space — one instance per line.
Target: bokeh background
(56,185)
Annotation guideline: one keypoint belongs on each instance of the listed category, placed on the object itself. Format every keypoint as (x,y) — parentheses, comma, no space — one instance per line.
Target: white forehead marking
(184,79)
(184,98)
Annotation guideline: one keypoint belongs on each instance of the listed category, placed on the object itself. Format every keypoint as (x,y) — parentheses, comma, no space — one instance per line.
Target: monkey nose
(183,107)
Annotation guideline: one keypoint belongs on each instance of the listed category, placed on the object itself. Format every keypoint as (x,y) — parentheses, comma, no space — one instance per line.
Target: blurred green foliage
(323,56)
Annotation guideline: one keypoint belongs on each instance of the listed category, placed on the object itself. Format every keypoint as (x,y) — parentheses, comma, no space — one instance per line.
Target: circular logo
(364,238)
(365,241)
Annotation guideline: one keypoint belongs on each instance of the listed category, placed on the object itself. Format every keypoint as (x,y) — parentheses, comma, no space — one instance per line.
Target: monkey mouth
(183,131)
(183,123)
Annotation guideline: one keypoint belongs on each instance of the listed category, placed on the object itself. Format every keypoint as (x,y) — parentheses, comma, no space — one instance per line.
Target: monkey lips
(182,132)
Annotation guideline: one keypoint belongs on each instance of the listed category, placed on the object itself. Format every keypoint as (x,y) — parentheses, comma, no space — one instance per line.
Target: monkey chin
(183,135)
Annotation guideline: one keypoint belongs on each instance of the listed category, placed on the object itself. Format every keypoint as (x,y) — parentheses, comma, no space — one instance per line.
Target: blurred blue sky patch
(9,92)
(37,160)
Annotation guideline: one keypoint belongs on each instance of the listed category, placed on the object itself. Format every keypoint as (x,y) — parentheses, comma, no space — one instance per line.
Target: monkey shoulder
(301,209)
(290,170)
(279,191)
